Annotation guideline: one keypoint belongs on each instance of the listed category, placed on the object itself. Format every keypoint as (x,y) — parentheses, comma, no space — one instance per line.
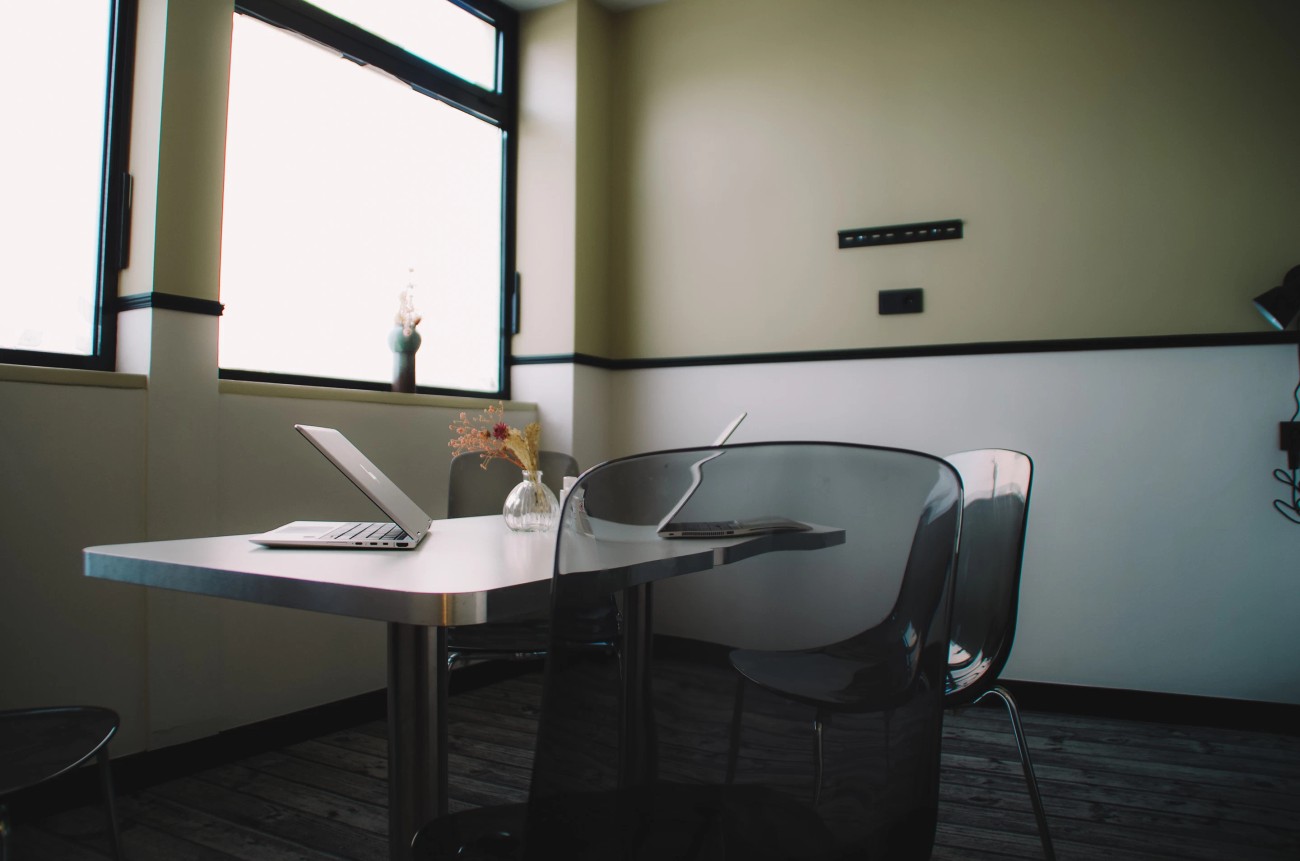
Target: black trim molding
(1179,709)
(170,302)
(336,383)
(1143,342)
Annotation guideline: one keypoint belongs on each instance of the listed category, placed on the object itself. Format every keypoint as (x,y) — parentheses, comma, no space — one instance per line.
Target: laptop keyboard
(368,532)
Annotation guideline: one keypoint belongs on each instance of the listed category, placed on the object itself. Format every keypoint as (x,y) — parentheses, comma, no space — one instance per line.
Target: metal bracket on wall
(898,234)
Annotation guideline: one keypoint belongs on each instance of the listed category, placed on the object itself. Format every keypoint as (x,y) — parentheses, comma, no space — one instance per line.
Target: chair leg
(110,806)
(733,748)
(1030,781)
(817,759)
(4,833)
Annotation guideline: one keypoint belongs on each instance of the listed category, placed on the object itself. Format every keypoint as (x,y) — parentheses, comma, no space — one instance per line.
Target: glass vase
(531,506)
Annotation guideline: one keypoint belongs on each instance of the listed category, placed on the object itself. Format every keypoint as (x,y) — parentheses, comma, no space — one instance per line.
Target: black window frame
(114,204)
(497,106)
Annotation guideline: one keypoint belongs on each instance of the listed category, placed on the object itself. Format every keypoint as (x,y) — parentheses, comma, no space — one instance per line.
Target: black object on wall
(900,234)
(902,301)
(1281,306)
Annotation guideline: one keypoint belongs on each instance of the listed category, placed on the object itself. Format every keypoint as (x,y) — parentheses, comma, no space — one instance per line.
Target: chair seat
(665,820)
(37,745)
(827,680)
(530,636)
(523,635)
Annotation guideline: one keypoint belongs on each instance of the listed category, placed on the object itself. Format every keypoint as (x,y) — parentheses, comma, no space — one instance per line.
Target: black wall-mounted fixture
(901,301)
(1281,307)
(1289,438)
(513,305)
(900,234)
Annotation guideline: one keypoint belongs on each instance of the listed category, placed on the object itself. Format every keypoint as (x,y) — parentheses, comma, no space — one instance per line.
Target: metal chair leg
(817,760)
(110,806)
(733,748)
(1030,781)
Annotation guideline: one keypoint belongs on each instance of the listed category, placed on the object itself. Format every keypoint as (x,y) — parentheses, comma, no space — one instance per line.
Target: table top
(467,571)
(444,581)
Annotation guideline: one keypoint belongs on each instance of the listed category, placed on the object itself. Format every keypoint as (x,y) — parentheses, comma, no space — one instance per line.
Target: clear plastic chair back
(987,588)
(631,758)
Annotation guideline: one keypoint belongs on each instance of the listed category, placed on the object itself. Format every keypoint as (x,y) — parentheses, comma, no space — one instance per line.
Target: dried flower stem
(488,434)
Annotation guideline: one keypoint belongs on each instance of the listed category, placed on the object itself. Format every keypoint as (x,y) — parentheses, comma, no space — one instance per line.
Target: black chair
(474,490)
(987,591)
(633,762)
(40,744)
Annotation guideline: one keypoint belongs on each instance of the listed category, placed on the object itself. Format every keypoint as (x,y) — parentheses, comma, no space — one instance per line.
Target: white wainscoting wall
(1154,560)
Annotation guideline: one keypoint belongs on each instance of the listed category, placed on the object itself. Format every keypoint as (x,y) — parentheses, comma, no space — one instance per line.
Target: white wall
(71,475)
(1154,560)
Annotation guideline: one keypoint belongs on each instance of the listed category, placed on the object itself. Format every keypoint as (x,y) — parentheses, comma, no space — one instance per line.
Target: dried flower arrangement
(487,433)
(407,318)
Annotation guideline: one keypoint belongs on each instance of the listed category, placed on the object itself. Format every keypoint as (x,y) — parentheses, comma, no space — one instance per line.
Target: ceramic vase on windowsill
(404,340)
(531,506)
(404,343)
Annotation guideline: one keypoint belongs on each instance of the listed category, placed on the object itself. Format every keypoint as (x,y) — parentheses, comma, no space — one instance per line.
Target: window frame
(498,107)
(114,236)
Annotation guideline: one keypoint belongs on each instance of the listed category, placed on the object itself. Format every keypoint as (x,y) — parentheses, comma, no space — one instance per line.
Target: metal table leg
(637,750)
(417,732)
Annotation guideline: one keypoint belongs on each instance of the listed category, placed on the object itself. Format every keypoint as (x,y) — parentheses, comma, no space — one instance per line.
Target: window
(367,150)
(65,96)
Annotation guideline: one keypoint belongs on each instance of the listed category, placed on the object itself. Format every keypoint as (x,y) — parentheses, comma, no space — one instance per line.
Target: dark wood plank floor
(1113,790)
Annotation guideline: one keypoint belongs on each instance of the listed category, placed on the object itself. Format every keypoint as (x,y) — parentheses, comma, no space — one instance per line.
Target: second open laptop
(410,523)
(671,528)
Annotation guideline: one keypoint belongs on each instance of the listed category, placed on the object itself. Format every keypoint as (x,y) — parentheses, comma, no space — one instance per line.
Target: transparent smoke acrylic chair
(987,591)
(473,490)
(632,762)
(41,744)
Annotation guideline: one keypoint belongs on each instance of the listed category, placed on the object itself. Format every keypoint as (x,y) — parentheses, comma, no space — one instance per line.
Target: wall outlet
(902,301)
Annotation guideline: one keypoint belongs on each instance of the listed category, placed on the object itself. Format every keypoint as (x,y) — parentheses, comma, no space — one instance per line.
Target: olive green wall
(1123,167)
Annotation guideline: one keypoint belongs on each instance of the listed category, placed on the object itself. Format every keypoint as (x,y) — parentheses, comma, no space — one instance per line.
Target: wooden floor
(1113,790)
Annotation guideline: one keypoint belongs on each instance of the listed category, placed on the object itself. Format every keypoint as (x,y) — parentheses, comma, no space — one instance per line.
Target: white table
(467,571)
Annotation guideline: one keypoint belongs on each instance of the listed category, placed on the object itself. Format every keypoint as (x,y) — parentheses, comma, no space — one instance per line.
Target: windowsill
(71,377)
(325,393)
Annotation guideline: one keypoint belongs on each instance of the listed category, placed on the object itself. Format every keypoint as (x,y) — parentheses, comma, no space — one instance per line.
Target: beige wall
(565,157)
(1122,168)
(596,64)
(72,474)
(178,137)
(546,245)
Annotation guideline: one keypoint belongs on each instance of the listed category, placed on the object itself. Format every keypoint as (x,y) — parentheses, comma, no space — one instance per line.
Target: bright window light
(52,149)
(343,186)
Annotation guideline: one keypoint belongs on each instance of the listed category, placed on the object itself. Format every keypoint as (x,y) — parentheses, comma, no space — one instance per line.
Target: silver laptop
(410,523)
(697,476)
(671,528)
